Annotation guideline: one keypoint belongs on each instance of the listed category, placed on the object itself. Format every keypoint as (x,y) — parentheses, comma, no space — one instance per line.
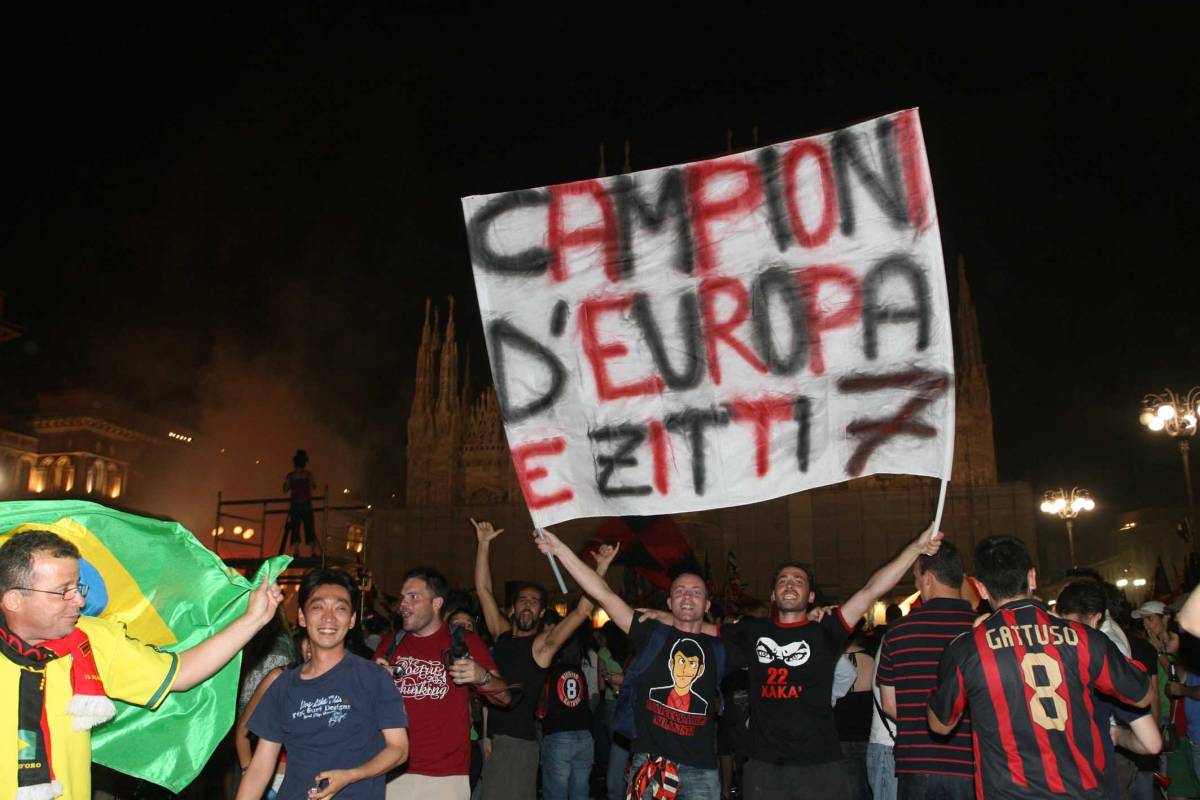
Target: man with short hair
(436,683)
(523,653)
(339,716)
(59,669)
(1028,677)
(794,750)
(1134,729)
(675,699)
(927,765)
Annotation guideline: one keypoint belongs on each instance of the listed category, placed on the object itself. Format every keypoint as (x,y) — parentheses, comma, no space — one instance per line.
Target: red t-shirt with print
(439,715)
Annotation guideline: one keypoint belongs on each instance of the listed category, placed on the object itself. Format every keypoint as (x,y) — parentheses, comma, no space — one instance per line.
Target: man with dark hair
(794,749)
(436,669)
(672,685)
(59,668)
(927,765)
(1028,677)
(1136,730)
(523,652)
(330,712)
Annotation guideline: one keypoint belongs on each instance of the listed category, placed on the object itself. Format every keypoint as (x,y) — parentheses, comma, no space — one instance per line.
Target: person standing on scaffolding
(301,485)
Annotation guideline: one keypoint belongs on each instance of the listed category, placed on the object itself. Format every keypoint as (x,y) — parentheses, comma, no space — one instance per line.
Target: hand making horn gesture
(484,531)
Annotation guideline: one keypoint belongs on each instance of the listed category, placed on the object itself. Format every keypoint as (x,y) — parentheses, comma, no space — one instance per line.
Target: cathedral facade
(458,466)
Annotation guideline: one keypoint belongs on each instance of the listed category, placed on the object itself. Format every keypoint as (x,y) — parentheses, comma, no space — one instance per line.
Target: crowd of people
(455,698)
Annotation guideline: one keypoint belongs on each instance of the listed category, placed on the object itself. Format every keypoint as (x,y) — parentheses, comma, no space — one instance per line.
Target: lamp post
(1066,506)
(1175,415)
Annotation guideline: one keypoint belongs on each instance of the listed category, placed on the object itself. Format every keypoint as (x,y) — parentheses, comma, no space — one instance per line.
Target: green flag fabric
(171,592)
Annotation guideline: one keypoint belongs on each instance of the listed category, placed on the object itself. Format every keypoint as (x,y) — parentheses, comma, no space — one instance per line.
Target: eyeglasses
(67,595)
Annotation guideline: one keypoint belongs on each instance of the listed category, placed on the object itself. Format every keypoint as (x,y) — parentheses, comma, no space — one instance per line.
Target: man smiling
(671,682)
(59,669)
(331,712)
(794,748)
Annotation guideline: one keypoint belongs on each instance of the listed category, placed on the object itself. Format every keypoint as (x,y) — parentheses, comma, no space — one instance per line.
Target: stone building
(84,444)
(458,466)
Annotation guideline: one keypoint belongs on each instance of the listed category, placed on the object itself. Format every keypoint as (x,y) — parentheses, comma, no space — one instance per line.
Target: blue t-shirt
(1192,709)
(334,721)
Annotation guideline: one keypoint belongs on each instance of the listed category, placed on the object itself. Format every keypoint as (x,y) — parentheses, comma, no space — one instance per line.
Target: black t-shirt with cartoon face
(677,701)
(791,686)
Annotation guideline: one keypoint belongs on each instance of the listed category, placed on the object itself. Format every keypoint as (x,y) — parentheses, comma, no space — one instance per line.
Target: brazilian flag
(170,591)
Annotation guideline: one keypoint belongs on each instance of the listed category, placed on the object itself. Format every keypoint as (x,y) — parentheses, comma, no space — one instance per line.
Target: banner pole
(562,585)
(941,506)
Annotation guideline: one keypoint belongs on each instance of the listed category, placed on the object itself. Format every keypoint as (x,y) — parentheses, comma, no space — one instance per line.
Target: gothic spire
(422,390)
(970,346)
(447,396)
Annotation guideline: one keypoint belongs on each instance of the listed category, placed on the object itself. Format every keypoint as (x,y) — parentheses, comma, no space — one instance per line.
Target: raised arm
(549,642)
(887,576)
(197,664)
(484,533)
(618,610)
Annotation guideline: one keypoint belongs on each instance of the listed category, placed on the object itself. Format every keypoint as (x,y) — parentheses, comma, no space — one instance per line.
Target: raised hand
(604,556)
(484,531)
(263,601)
(547,542)
(930,541)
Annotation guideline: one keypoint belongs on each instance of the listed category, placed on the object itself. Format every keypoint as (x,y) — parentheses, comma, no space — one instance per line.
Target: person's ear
(300,618)
(1032,577)
(437,604)
(12,600)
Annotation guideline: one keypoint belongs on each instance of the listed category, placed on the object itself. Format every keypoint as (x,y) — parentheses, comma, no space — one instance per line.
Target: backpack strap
(391,651)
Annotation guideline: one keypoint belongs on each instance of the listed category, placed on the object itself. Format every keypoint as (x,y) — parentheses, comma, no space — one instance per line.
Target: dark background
(261,192)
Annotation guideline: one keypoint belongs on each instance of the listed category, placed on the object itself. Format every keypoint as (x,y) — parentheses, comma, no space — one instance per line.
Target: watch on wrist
(487,677)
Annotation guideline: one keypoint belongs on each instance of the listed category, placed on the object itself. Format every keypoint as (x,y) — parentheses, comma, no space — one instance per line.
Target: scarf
(89,705)
(658,775)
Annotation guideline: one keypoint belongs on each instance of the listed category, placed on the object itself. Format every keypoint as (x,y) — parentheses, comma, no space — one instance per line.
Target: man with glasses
(59,668)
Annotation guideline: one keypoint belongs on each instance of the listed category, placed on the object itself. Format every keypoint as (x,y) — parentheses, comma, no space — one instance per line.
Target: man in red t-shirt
(437,697)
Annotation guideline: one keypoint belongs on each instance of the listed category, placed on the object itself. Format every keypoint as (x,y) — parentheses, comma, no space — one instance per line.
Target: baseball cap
(1148,608)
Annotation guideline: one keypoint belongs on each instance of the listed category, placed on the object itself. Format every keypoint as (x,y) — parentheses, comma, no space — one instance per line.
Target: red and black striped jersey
(1028,677)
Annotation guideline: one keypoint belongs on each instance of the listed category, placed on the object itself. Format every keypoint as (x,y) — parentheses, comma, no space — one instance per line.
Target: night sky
(280,190)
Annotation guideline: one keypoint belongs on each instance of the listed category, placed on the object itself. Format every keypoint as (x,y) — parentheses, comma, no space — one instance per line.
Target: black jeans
(765,781)
(910,786)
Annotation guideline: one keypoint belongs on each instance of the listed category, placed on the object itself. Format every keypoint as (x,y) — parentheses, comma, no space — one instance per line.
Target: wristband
(487,677)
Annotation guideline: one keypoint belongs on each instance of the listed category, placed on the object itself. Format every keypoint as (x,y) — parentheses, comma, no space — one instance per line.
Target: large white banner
(720,332)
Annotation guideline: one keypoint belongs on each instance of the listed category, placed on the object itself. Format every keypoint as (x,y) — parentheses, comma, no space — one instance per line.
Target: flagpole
(562,585)
(941,506)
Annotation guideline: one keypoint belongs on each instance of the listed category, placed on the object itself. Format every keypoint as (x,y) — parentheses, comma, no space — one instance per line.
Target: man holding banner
(675,689)
(714,334)
(794,741)
(60,668)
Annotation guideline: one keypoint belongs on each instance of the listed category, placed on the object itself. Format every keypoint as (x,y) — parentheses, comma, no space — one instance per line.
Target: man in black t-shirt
(794,748)
(522,653)
(1028,679)
(676,701)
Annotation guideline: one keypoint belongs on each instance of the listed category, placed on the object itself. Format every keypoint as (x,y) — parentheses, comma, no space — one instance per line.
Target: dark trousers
(765,781)
(299,514)
(911,786)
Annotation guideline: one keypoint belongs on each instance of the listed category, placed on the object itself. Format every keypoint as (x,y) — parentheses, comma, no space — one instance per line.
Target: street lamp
(1175,415)
(1067,505)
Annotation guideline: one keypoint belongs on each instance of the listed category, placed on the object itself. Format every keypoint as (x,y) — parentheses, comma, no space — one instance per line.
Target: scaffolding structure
(342,532)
